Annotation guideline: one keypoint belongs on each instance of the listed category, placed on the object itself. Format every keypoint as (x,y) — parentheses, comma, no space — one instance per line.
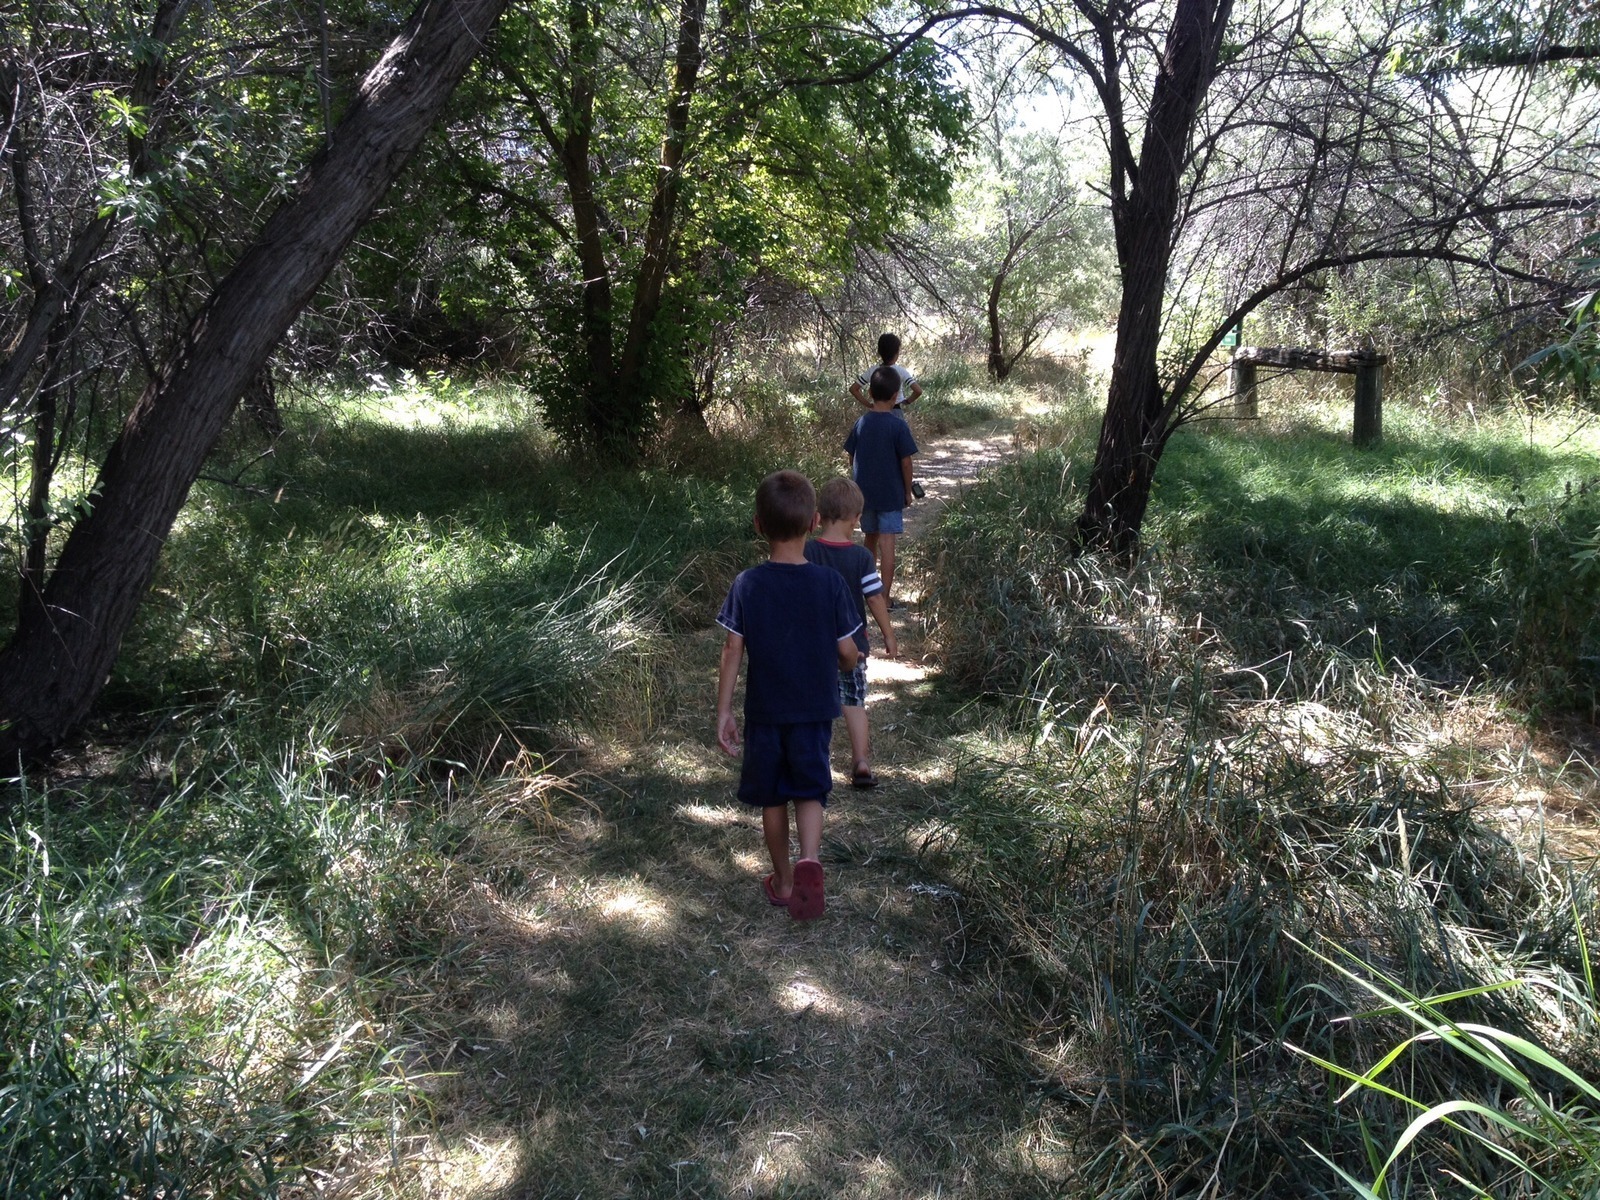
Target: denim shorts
(853,685)
(883,522)
(786,762)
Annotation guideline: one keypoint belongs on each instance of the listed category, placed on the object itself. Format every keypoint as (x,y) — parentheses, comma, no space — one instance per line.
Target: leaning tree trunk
(58,660)
(1138,417)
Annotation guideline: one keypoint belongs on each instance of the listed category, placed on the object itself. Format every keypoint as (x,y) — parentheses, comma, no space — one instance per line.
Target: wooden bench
(1366,365)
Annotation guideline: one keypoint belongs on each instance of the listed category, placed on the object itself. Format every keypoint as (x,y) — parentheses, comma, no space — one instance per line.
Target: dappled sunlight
(709,814)
(933,836)
(894,670)
(776,1156)
(690,764)
(638,907)
(802,995)
(474,1165)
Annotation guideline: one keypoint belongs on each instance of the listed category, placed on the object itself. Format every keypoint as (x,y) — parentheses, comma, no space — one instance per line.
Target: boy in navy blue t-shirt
(880,447)
(797,623)
(839,506)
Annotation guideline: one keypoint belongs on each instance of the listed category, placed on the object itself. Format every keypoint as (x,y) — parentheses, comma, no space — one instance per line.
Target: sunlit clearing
(708,814)
(802,995)
(637,907)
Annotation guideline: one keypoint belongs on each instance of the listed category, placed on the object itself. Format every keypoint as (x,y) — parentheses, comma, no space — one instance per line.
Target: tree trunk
(57,662)
(1138,416)
(599,381)
(998,369)
(631,385)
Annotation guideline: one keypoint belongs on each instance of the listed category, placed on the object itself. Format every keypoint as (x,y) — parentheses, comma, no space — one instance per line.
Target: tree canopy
(615,185)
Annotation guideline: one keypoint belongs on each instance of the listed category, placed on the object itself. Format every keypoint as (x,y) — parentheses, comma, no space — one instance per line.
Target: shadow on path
(647,1025)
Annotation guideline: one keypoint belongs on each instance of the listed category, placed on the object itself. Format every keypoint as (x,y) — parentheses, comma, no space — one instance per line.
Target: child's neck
(841,530)
(883,405)
(788,550)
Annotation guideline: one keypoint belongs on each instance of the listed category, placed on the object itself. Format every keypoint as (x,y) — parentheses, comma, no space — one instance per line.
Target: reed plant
(1537,1124)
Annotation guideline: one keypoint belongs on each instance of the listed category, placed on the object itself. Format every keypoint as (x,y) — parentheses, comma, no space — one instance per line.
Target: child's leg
(808,821)
(855,720)
(775,828)
(885,552)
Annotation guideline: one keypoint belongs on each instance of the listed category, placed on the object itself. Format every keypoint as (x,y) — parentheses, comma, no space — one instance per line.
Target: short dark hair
(840,498)
(785,504)
(888,346)
(883,383)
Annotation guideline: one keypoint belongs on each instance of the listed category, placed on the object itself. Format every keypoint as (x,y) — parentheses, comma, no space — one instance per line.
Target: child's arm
(879,608)
(727,677)
(916,391)
(860,395)
(905,474)
(849,653)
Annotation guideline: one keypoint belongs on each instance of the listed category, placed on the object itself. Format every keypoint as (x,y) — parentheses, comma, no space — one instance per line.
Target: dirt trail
(652,1027)
(946,465)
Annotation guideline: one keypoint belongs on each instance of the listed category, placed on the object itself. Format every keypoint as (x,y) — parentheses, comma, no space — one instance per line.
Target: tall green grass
(213,941)
(182,1007)
(1201,768)
(1455,551)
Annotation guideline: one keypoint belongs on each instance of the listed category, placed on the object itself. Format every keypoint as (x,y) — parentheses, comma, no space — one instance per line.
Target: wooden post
(1368,428)
(1244,389)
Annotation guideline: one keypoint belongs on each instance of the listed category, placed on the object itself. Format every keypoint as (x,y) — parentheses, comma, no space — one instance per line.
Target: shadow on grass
(1395,551)
(650,1025)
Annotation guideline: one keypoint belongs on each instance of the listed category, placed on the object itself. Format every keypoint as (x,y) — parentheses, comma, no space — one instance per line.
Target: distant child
(907,389)
(880,447)
(839,505)
(797,621)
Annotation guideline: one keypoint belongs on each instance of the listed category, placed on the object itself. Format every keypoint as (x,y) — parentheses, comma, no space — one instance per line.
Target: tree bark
(1138,416)
(598,336)
(632,392)
(57,661)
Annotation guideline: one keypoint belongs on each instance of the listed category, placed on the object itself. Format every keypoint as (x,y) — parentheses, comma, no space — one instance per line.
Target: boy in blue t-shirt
(839,506)
(797,623)
(880,447)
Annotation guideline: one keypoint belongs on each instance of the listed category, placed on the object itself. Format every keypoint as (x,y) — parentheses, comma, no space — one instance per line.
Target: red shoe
(806,902)
(772,897)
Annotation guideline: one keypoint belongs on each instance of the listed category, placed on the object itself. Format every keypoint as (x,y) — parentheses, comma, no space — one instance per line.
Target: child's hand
(728,734)
(891,648)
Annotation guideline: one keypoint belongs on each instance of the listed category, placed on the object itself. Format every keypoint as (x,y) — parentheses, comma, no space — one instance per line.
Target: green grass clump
(1241,749)
(1449,548)
(1159,883)
(177,1004)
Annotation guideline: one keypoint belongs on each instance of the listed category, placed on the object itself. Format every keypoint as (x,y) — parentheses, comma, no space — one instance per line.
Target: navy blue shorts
(786,762)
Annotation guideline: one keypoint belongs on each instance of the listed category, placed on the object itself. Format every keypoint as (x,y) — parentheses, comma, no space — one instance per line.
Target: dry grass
(636,1019)
(629,1016)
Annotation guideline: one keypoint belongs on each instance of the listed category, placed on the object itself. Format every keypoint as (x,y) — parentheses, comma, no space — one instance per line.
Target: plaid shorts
(853,685)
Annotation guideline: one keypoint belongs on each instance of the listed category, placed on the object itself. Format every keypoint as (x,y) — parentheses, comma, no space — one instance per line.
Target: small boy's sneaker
(918,490)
